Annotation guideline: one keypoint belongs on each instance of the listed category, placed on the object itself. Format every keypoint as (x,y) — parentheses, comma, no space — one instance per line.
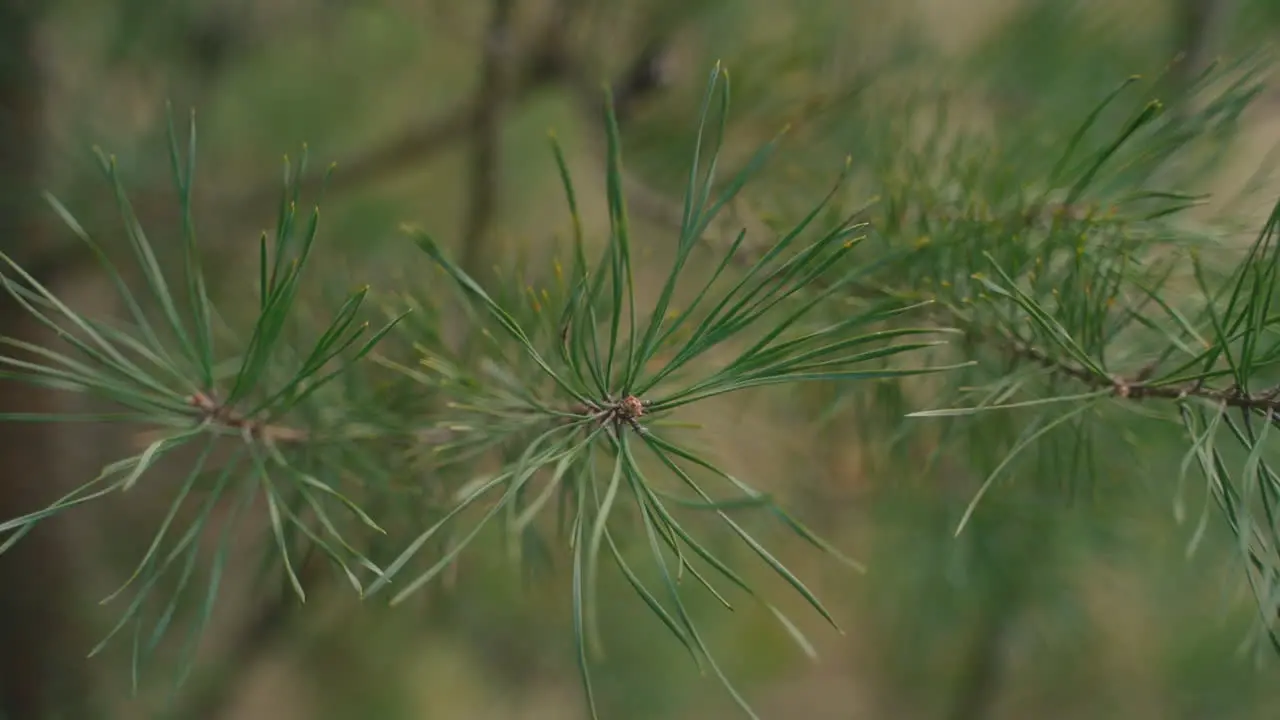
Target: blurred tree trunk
(1197,24)
(982,673)
(37,665)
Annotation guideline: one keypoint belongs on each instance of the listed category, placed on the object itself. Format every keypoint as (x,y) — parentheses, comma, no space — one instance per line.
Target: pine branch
(569,390)
(548,62)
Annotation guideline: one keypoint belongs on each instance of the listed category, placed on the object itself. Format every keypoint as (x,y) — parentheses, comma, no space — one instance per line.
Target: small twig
(545,66)
(1138,388)
(271,433)
(224,418)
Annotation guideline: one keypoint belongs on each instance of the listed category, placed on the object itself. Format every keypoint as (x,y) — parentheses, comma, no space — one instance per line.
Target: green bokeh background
(1083,600)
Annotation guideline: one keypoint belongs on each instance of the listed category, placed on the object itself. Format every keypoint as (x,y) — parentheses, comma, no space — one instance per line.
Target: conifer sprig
(591,431)
(1071,272)
(1082,287)
(202,387)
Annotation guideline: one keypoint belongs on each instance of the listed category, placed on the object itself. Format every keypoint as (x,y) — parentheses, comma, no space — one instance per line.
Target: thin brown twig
(228,421)
(1139,388)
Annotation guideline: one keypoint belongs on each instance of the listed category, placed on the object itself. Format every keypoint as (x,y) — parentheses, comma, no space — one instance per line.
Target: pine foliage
(1029,298)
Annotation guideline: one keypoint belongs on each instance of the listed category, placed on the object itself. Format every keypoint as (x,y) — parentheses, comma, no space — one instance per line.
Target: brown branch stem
(1138,388)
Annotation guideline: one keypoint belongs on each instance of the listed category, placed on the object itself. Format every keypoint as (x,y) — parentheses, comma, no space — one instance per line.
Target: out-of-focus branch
(487,139)
(401,154)
(510,76)
(541,67)
(1197,24)
(983,673)
(547,60)
(210,699)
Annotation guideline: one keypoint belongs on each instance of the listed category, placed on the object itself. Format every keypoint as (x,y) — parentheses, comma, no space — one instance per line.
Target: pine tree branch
(549,62)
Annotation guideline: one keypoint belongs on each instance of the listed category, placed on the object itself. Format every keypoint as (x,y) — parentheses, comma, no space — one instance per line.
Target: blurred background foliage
(1070,595)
